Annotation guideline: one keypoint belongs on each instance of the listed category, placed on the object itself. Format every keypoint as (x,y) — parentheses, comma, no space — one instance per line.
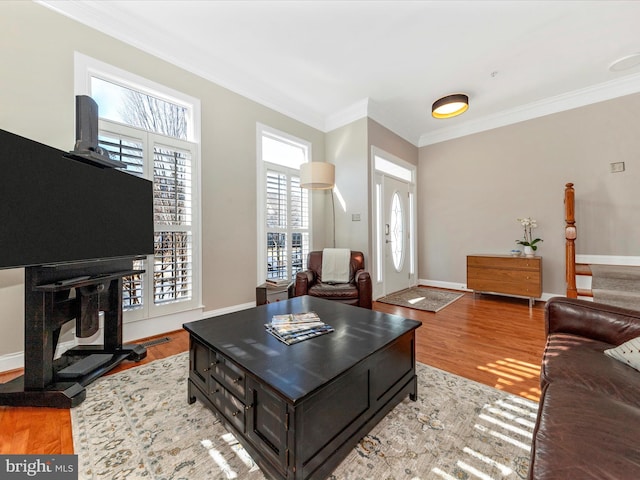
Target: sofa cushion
(585,435)
(334,291)
(627,353)
(581,361)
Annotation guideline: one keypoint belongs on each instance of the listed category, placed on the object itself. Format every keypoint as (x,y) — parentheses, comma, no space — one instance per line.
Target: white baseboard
(225,310)
(449,285)
(463,288)
(608,260)
(131,331)
(11,361)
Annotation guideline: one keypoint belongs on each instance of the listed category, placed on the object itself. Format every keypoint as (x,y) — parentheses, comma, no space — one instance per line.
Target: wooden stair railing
(570,235)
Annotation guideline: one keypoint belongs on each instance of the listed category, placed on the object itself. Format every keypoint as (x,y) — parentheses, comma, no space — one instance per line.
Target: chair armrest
(599,321)
(365,294)
(304,281)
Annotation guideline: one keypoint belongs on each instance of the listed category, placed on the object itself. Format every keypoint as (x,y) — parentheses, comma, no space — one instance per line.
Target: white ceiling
(328,63)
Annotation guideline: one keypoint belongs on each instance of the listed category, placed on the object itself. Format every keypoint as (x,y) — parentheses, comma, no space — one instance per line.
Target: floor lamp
(320,176)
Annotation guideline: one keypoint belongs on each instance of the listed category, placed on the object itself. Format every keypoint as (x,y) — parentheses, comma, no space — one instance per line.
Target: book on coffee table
(296,327)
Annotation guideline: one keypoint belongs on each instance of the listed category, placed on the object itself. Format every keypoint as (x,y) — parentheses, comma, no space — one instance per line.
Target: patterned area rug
(421,298)
(137,425)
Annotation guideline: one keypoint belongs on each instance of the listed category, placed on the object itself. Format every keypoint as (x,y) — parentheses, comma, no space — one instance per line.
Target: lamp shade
(317,175)
(450,106)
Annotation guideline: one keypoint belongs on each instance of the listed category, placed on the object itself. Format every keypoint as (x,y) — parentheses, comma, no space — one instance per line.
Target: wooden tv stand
(48,305)
(506,275)
(300,409)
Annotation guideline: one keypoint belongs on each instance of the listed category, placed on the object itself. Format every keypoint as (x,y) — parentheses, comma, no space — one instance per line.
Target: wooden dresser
(506,275)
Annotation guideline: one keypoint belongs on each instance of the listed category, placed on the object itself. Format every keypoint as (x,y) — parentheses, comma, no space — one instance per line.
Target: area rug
(421,298)
(137,425)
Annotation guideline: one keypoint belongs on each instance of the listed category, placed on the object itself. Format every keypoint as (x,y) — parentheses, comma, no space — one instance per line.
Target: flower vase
(528,251)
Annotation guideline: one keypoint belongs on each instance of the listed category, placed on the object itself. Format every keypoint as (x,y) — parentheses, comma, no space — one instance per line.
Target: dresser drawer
(504,275)
(230,375)
(510,263)
(528,287)
(228,405)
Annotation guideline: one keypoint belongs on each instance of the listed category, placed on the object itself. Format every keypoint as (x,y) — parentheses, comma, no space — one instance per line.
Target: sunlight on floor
(413,301)
(473,471)
(489,461)
(219,459)
(442,474)
(510,372)
(509,420)
(238,449)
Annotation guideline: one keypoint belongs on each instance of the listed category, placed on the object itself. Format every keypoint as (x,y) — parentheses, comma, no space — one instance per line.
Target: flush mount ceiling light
(450,106)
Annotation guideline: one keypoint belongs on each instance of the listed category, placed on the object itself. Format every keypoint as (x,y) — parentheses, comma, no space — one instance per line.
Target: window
(150,132)
(397,232)
(389,168)
(284,225)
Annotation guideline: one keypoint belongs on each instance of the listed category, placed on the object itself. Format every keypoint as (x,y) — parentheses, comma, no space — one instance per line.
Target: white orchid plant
(528,224)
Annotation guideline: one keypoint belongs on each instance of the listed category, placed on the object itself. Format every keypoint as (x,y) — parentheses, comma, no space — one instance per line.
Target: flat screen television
(55,209)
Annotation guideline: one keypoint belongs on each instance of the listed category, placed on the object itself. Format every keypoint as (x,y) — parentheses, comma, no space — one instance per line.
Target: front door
(395,229)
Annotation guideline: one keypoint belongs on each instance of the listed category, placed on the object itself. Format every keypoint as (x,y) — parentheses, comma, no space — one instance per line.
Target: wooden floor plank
(497,341)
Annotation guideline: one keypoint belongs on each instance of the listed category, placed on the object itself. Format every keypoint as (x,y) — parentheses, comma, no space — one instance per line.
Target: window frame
(86,68)
(261,176)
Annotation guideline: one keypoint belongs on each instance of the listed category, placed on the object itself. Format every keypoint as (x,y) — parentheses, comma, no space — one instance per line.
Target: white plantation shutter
(287,219)
(173,265)
(130,151)
(276,200)
(168,284)
(283,206)
(172,272)
(299,214)
(172,185)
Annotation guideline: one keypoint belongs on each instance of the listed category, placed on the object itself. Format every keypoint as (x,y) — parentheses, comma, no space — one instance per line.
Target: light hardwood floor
(493,340)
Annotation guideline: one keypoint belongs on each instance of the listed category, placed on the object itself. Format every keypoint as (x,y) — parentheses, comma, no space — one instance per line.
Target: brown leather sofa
(588,424)
(357,292)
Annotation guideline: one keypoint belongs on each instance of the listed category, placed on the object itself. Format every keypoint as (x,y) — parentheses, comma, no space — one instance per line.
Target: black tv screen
(55,209)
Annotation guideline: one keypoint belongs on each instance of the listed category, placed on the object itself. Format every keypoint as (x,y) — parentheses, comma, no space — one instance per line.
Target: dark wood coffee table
(300,409)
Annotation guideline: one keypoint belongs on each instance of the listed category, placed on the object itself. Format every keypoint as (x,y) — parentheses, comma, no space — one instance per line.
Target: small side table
(271,293)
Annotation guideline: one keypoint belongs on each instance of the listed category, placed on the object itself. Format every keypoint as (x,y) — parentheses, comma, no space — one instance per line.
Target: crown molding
(627,85)
(371,109)
(377,113)
(99,16)
(347,115)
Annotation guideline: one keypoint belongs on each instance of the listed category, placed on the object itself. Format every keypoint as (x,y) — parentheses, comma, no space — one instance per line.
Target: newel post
(570,236)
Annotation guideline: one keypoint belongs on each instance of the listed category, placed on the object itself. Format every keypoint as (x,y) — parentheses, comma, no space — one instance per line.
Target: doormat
(421,298)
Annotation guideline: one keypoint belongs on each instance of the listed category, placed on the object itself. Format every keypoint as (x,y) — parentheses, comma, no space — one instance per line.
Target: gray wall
(349,147)
(37,101)
(472,189)
(385,139)
(346,147)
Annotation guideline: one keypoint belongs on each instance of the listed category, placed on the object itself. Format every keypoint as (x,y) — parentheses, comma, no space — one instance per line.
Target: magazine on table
(295,327)
(295,319)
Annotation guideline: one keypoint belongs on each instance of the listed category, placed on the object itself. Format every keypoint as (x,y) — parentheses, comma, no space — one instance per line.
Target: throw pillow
(628,352)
